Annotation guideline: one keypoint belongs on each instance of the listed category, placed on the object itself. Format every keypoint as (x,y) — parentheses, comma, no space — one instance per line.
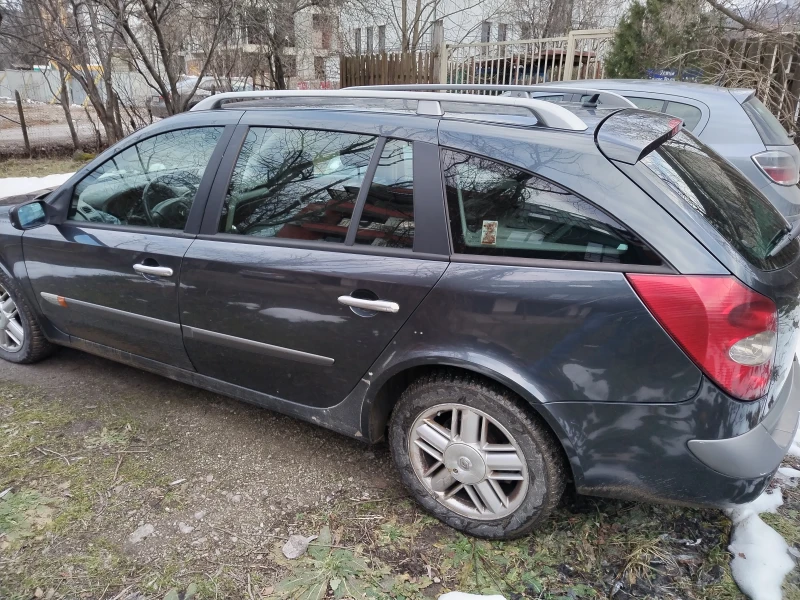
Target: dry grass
(38,167)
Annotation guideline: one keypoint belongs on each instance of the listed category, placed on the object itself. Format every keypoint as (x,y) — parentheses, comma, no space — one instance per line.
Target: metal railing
(579,55)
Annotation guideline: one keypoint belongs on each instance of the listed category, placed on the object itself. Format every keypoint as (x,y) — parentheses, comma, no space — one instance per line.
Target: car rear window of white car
(707,184)
(768,127)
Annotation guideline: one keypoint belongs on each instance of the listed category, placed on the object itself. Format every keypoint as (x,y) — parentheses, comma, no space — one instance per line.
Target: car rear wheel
(475,457)
(21,339)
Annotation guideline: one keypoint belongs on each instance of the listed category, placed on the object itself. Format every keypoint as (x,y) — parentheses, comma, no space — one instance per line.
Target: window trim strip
(572,265)
(222,179)
(363,191)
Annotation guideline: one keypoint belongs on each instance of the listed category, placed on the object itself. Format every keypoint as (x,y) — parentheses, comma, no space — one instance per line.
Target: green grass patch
(39,167)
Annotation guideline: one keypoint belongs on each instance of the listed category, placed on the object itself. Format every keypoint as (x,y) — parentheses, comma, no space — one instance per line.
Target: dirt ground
(48,132)
(96,453)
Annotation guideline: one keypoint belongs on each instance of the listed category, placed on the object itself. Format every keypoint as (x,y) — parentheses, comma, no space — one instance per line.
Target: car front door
(109,273)
(321,246)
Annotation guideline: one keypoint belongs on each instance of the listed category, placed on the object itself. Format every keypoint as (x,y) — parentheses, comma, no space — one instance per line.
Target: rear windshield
(707,184)
(769,128)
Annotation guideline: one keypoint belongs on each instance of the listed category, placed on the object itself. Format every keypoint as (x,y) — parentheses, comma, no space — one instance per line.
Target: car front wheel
(21,338)
(475,457)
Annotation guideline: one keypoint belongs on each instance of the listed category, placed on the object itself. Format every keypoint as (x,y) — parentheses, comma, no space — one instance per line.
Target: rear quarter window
(689,114)
(498,210)
(768,127)
(705,183)
(653,104)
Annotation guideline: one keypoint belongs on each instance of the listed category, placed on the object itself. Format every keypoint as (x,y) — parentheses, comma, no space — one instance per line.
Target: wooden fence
(386,69)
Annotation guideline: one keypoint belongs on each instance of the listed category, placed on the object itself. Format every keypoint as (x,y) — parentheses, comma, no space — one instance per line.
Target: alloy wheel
(12,334)
(468,461)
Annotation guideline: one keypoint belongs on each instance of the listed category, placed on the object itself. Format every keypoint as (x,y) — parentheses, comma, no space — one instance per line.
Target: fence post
(22,124)
(439,50)
(569,57)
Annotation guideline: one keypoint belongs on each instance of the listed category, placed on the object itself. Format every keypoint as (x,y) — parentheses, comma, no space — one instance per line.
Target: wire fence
(50,127)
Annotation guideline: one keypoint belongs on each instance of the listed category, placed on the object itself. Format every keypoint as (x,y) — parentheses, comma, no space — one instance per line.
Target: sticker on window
(489,233)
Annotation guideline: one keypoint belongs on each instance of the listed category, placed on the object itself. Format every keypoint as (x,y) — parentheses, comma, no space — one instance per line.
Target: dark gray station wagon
(520,294)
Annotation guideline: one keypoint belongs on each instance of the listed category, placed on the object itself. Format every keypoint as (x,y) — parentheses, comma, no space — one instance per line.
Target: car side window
(388,215)
(296,183)
(152,183)
(499,210)
(690,114)
(647,103)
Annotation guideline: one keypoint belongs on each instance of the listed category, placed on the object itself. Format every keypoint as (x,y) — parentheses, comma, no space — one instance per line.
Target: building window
(502,32)
(358,41)
(486,31)
(322,31)
(369,40)
(382,38)
(319,68)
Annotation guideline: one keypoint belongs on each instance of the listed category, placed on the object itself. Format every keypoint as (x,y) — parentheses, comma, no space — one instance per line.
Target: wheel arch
(389,387)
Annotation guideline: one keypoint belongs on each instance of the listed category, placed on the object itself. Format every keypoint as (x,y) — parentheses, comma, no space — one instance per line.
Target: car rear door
(109,274)
(319,242)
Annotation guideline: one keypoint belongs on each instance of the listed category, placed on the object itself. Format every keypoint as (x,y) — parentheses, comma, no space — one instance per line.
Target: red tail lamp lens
(726,328)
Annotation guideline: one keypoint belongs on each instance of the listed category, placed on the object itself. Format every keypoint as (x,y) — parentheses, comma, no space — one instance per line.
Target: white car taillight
(778,166)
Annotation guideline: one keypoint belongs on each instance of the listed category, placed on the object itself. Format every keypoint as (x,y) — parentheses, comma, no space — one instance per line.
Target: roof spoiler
(629,135)
(608,99)
(742,95)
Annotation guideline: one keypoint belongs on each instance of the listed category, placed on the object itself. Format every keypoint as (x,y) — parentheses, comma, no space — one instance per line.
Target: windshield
(705,183)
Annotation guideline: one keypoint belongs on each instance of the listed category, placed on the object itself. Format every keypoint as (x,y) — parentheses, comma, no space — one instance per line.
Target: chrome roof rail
(609,99)
(548,114)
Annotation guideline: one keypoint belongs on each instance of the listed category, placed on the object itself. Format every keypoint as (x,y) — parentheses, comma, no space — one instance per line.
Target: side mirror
(29,215)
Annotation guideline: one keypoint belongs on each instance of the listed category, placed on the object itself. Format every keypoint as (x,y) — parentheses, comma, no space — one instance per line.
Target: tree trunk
(559,19)
(404,25)
(64,96)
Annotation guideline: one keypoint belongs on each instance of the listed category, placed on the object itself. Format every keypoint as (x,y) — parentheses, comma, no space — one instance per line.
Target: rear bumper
(710,451)
(759,451)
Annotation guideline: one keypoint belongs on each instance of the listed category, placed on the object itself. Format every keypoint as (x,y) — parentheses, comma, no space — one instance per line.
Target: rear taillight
(778,166)
(726,328)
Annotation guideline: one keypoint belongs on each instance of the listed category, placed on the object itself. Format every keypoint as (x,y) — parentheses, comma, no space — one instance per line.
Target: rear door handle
(150,270)
(376,305)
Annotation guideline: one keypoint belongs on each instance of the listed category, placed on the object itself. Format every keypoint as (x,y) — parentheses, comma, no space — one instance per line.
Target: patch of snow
(788,475)
(760,555)
(13,186)
(794,449)
(464,596)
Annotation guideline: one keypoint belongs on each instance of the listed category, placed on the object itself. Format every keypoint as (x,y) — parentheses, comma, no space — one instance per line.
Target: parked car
(734,122)
(208,86)
(519,298)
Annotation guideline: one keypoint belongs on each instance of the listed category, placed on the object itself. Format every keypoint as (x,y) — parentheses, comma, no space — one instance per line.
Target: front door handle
(376,305)
(151,270)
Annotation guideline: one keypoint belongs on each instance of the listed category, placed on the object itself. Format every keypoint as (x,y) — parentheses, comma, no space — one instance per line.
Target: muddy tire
(475,456)
(17,320)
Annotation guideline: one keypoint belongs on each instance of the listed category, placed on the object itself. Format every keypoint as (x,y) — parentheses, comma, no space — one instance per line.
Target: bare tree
(78,37)
(158,36)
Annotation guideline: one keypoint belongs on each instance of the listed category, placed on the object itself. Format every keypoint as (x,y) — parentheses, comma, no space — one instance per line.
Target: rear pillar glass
(705,183)
(769,128)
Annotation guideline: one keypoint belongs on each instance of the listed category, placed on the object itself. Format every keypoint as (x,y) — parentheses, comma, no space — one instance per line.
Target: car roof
(697,91)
